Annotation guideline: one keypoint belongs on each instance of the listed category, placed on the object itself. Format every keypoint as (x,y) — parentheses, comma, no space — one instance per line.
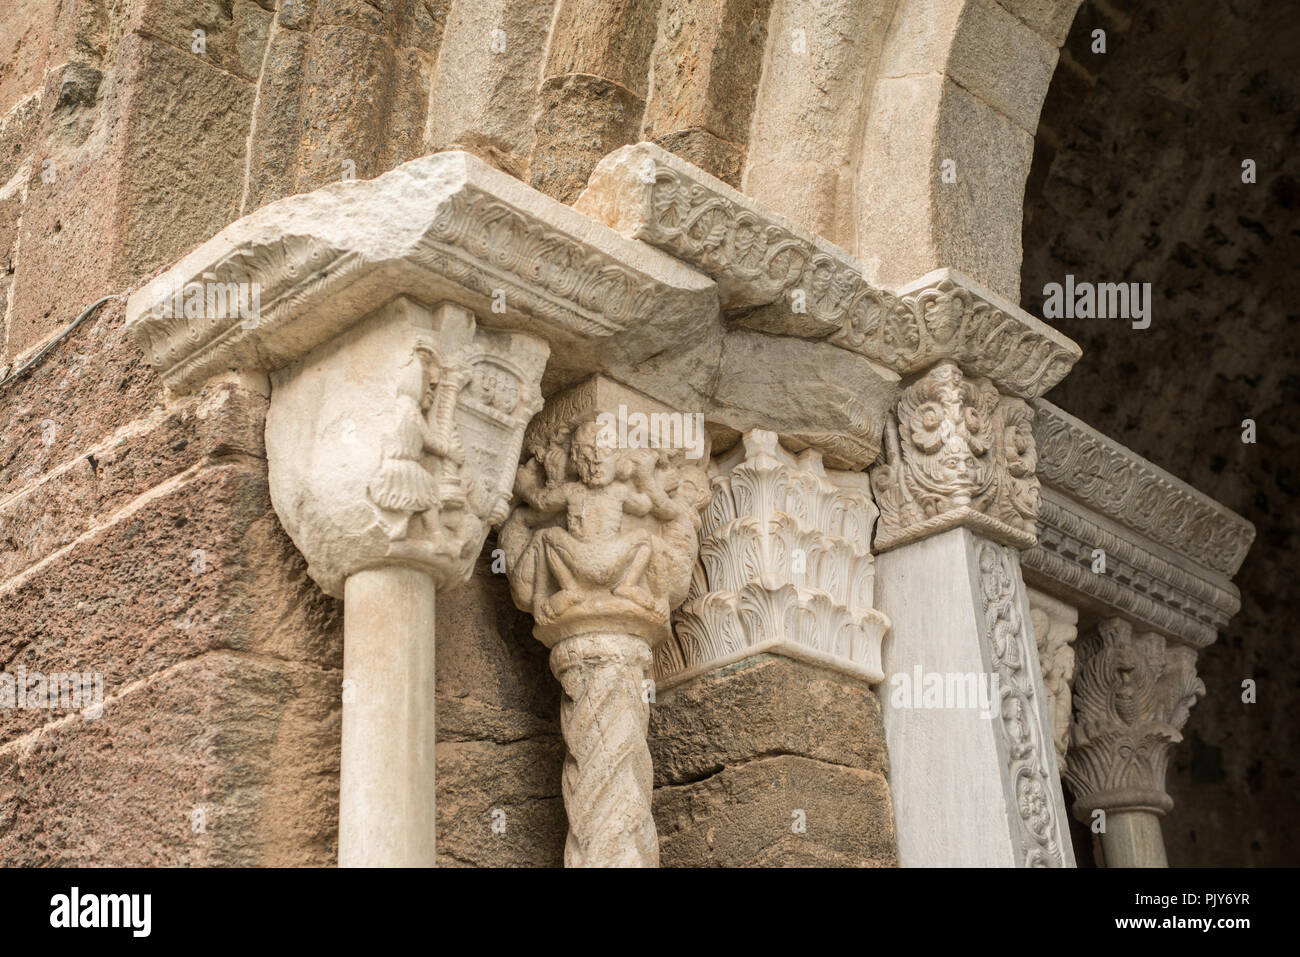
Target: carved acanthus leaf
(1132,696)
(785,562)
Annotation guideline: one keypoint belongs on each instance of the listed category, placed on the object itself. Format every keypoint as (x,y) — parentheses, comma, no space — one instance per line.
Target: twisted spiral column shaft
(608,776)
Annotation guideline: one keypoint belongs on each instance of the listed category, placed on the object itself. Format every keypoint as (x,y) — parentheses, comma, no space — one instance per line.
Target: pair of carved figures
(602,532)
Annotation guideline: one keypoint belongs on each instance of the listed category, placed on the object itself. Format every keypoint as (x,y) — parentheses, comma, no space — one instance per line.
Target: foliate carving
(1020,720)
(1130,490)
(1055,628)
(454,228)
(1174,599)
(785,563)
(284,272)
(946,319)
(460,406)
(805,286)
(1132,696)
(480,241)
(957,453)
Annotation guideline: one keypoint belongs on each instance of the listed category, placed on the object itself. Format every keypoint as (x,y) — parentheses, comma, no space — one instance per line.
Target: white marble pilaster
(973,771)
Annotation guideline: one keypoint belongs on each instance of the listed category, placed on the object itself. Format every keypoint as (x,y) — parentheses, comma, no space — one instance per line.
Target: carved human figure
(591,550)
(1055,631)
(403,485)
(406,483)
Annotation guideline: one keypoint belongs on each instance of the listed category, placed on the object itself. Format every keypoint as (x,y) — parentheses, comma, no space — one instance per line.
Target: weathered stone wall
(1137,177)
(137,538)
(138,542)
(136,533)
(771,762)
(500,752)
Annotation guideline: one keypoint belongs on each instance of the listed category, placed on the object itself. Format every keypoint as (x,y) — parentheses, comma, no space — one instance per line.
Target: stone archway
(1137,176)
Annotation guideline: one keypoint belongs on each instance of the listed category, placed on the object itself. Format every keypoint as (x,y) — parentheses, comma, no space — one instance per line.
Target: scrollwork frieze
(1020,720)
(781,280)
(1130,490)
(1078,552)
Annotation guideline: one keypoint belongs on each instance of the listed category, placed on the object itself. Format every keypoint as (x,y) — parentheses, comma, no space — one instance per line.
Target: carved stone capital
(1132,696)
(396,443)
(957,452)
(606,529)
(1055,628)
(785,565)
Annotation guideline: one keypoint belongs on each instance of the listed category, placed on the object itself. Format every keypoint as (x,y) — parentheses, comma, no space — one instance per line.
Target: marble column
(391,452)
(1132,695)
(600,548)
(387,784)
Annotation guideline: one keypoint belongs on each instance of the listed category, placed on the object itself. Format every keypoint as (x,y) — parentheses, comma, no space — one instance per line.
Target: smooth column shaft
(1133,839)
(972,776)
(386,799)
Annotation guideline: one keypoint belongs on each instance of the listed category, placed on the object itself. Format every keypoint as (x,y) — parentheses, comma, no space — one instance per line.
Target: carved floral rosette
(957,453)
(785,564)
(1132,696)
(1026,735)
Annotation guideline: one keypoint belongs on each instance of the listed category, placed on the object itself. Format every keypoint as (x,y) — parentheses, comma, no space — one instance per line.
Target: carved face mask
(594,463)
